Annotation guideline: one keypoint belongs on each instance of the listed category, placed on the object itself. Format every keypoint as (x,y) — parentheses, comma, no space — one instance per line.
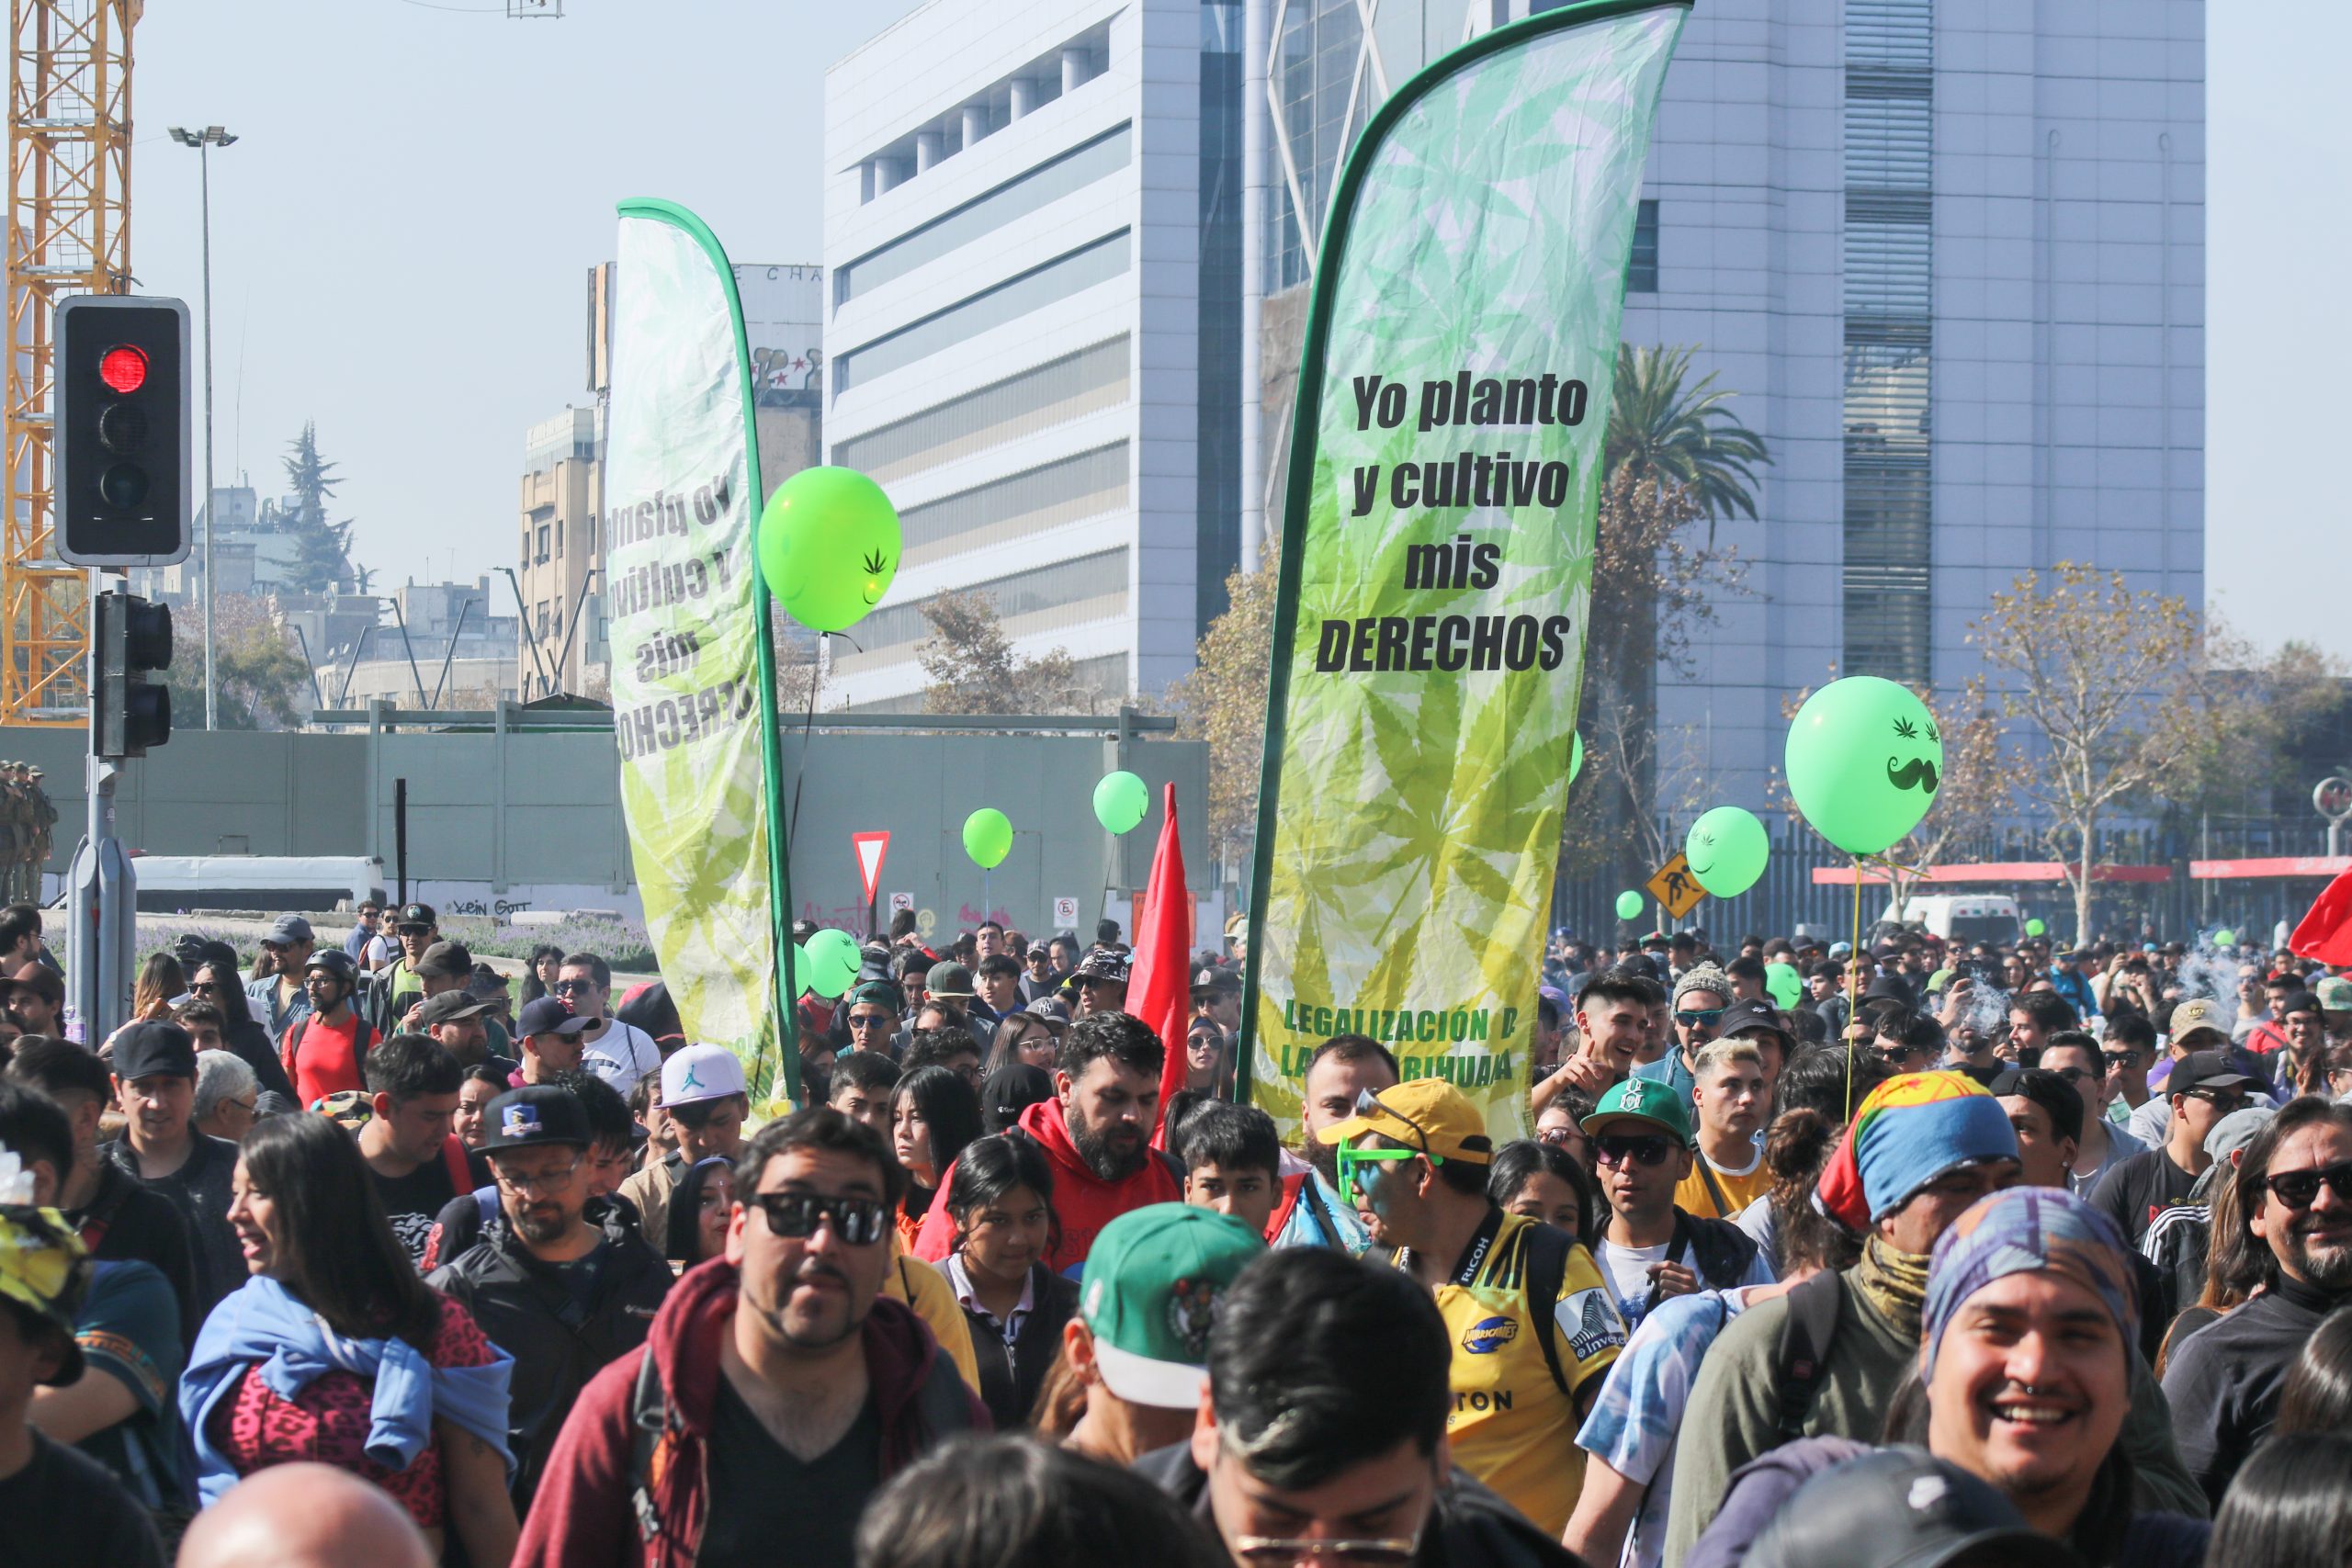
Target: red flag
(1159,987)
(2326,934)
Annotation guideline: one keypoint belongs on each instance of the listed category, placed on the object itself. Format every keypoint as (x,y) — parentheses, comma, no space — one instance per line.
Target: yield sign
(870,848)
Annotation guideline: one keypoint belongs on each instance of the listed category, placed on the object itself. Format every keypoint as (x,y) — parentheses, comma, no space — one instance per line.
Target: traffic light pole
(102,907)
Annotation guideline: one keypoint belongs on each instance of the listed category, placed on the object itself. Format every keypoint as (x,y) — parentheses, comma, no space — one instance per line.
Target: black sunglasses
(2299,1189)
(858,1222)
(2119,1061)
(1616,1149)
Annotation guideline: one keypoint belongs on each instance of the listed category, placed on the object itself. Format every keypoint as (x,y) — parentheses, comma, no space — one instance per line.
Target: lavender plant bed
(620,943)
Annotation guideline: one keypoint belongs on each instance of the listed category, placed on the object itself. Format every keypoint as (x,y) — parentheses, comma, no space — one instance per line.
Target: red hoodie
(1083,1201)
(585,1513)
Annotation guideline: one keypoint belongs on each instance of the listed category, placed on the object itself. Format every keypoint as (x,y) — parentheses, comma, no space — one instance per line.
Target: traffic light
(129,639)
(123,487)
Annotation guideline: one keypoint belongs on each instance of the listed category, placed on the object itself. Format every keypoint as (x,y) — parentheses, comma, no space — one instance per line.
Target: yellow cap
(1428,1114)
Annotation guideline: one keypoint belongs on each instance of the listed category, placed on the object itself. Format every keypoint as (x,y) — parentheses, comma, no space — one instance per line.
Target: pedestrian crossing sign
(1673,886)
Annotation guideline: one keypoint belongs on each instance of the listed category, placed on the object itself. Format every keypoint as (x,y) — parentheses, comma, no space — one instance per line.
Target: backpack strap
(1547,1275)
(1802,1357)
(649,1422)
(453,1156)
(291,1051)
(1715,1194)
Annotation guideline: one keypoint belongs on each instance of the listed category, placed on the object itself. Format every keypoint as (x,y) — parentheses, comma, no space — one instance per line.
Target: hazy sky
(401,236)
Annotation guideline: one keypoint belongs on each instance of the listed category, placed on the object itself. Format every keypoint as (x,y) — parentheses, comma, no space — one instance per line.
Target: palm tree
(1663,430)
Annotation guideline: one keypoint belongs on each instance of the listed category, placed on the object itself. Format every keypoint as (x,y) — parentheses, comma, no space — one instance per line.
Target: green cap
(1642,1099)
(1153,1280)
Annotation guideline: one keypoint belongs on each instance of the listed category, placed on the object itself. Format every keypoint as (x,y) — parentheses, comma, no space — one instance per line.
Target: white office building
(1950,257)
(1016,249)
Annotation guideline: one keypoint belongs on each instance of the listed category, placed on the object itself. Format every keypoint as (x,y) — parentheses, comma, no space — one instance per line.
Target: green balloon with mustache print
(1864,759)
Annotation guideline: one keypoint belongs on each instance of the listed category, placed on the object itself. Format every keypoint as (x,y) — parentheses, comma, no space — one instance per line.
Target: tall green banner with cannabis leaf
(1437,553)
(693,670)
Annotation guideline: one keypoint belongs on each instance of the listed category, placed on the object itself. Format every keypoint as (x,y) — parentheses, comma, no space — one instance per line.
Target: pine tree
(322,548)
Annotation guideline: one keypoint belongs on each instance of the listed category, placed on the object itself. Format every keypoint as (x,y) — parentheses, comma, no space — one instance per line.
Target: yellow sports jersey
(1511,1425)
(1695,1197)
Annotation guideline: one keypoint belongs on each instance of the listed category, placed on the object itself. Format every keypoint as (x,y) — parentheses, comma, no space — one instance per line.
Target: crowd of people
(360,1252)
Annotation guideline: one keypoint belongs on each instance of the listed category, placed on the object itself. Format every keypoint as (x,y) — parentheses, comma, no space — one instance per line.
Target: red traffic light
(123,367)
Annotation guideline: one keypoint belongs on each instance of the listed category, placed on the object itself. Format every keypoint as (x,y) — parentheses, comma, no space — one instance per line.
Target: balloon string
(1853,972)
(807,729)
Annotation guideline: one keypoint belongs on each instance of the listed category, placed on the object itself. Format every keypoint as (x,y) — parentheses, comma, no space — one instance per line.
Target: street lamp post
(204,140)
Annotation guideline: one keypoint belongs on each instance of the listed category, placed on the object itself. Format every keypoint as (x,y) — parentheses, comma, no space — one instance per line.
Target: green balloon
(1629,905)
(800,970)
(1726,848)
(1120,801)
(1782,982)
(829,546)
(834,962)
(2225,938)
(1576,754)
(1864,760)
(2035,928)
(987,836)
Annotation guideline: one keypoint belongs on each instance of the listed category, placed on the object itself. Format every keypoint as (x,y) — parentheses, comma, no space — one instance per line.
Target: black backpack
(1802,1356)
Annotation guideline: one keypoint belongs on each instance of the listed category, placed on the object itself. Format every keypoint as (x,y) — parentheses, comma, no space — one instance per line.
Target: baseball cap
(534,1114)
(2203,1070)
(699,1073)
(2334,994)
(1211,979)
(1901,1507)
(289,928)
(450,1006)
(1428,1114)
(415,915)
(445,961)
(2236,1131)
(951,981)
(547,1015)
(875,993)
(142,1050)
(2198,1012)
(1154,1280)
(1742,1016)
(1841,950)
(1102,963)
(45,1270)
(37,979)
(1642,1099)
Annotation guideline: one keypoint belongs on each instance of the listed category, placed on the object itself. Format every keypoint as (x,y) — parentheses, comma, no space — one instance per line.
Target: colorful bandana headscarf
(1908,1132)
(2029,1230)
(45,1270)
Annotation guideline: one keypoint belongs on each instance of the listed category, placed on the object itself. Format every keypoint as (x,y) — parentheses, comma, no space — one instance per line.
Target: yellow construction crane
(68,232)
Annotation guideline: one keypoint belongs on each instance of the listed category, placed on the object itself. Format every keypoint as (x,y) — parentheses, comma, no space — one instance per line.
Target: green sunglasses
(1353,1159)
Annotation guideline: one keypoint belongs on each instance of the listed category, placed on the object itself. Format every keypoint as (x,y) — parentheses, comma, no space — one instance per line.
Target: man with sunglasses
(1652,1247)
(777,1390)
(277,998)
(2102,1144)
(2294,1215)
(1531,1321)
(396,987)
(2201,1090)
(565,1294)
(871,1017)
(1701,999)
(619,1052)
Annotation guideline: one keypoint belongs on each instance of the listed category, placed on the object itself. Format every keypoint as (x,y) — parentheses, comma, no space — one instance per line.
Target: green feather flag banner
(693,678)
(1436,569)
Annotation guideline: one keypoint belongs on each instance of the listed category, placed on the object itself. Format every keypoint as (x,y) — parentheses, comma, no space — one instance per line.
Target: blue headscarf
(2029,1230)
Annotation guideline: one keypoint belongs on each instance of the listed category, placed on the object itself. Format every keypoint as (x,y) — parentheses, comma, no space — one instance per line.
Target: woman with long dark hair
(214,980)
(700,1207)
(538,976)
(335,1350)
(1002,1200)
(1023,1040)
(934,1113)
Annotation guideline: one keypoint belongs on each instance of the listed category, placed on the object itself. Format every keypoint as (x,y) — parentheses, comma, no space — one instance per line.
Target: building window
(1008,301)
(543,542)
(543,617)
(1007,204)
(1078,587)
(1050,394)
(558,538)
(1641,267)
(1091,484)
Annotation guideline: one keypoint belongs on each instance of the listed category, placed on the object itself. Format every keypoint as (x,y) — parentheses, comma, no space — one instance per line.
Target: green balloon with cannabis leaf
(829,546)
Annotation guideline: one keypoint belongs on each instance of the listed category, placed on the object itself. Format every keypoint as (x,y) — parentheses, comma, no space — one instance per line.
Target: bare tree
(2124,697)
(973,669)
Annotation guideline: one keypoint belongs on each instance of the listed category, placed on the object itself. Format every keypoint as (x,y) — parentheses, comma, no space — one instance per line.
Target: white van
(169,883)
(1964,918)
